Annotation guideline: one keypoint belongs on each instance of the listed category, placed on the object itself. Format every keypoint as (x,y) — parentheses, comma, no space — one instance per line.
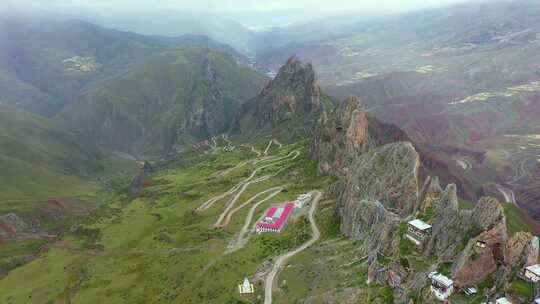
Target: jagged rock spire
(291,99)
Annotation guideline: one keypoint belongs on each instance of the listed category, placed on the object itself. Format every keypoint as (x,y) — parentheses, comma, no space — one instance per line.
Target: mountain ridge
(46,64)
(178,97)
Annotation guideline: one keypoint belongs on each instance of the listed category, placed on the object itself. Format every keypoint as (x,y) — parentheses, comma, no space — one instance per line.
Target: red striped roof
(278,224)
(271,212)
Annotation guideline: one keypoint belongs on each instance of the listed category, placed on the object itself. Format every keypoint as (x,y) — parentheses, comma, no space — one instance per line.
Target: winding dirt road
(508,194)
(241,239)
(281,260)
(268,147)
(291,156)
(231,204)
(464,164)
(274,191)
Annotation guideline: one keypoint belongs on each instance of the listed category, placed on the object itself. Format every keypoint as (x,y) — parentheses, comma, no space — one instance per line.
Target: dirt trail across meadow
(282,260)
(291,156)
(243,237)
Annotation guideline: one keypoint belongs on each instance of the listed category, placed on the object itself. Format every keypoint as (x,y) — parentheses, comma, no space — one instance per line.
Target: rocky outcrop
(137,185)
(370,222)
(452,227)
(347,132)
(375,193)
(378,174)
(378,192)
(480,257)
(522,250)
(340,137)
(293,101)
(204,116)
(430,194)
(388,175)
(446,226)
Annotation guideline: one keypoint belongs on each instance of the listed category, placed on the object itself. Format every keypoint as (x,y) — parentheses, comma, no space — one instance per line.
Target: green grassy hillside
(46,64)
(158,249)
(178,96)
(40,161)
(22,180)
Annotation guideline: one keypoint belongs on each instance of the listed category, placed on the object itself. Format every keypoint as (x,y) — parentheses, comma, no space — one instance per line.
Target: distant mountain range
(462,81)
(46,64)
(179,96)
(73,92)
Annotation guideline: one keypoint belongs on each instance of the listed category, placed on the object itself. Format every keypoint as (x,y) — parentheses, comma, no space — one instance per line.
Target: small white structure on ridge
(481,244)
(417,230)
(302,200)
(470,291)
(246,287)
(441,286)
(531,273)
(503,301)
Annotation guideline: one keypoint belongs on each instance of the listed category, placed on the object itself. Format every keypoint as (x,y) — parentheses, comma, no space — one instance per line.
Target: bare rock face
(447,225)
(387,175)
(522,250)
(346,133)
(204,116)
(338,140)
(292,100)
(430,194)
(378,177)
(379,188)
(370,222)
(14,221)
(532,251)
(481,256)
(452,227)
(487,213)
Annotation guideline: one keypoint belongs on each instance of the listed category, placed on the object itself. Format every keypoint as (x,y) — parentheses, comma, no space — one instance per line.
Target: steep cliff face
(474,263)
(340,137)
(369,221)
(430,194)
(452,227)
(378,175)
(387,174)
(378,192)
(293,100)
(475,242)
(346,133)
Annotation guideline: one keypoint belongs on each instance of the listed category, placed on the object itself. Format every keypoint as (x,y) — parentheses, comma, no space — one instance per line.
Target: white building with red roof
(275,218)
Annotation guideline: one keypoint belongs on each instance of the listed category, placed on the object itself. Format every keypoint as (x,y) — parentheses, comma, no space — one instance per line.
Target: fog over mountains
(148,150)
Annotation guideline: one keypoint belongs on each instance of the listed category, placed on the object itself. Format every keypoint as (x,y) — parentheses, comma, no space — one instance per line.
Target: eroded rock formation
(293,101)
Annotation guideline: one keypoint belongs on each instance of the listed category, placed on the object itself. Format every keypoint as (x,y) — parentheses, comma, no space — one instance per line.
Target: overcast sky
(378,6)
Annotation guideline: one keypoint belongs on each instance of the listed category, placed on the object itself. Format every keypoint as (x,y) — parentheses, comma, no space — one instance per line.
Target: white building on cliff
(441,286)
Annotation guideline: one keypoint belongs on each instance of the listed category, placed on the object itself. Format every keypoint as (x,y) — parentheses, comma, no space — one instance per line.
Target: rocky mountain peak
(292,99)
(296,74)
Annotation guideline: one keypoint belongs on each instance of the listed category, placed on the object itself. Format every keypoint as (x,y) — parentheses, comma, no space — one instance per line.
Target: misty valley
(270,152)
